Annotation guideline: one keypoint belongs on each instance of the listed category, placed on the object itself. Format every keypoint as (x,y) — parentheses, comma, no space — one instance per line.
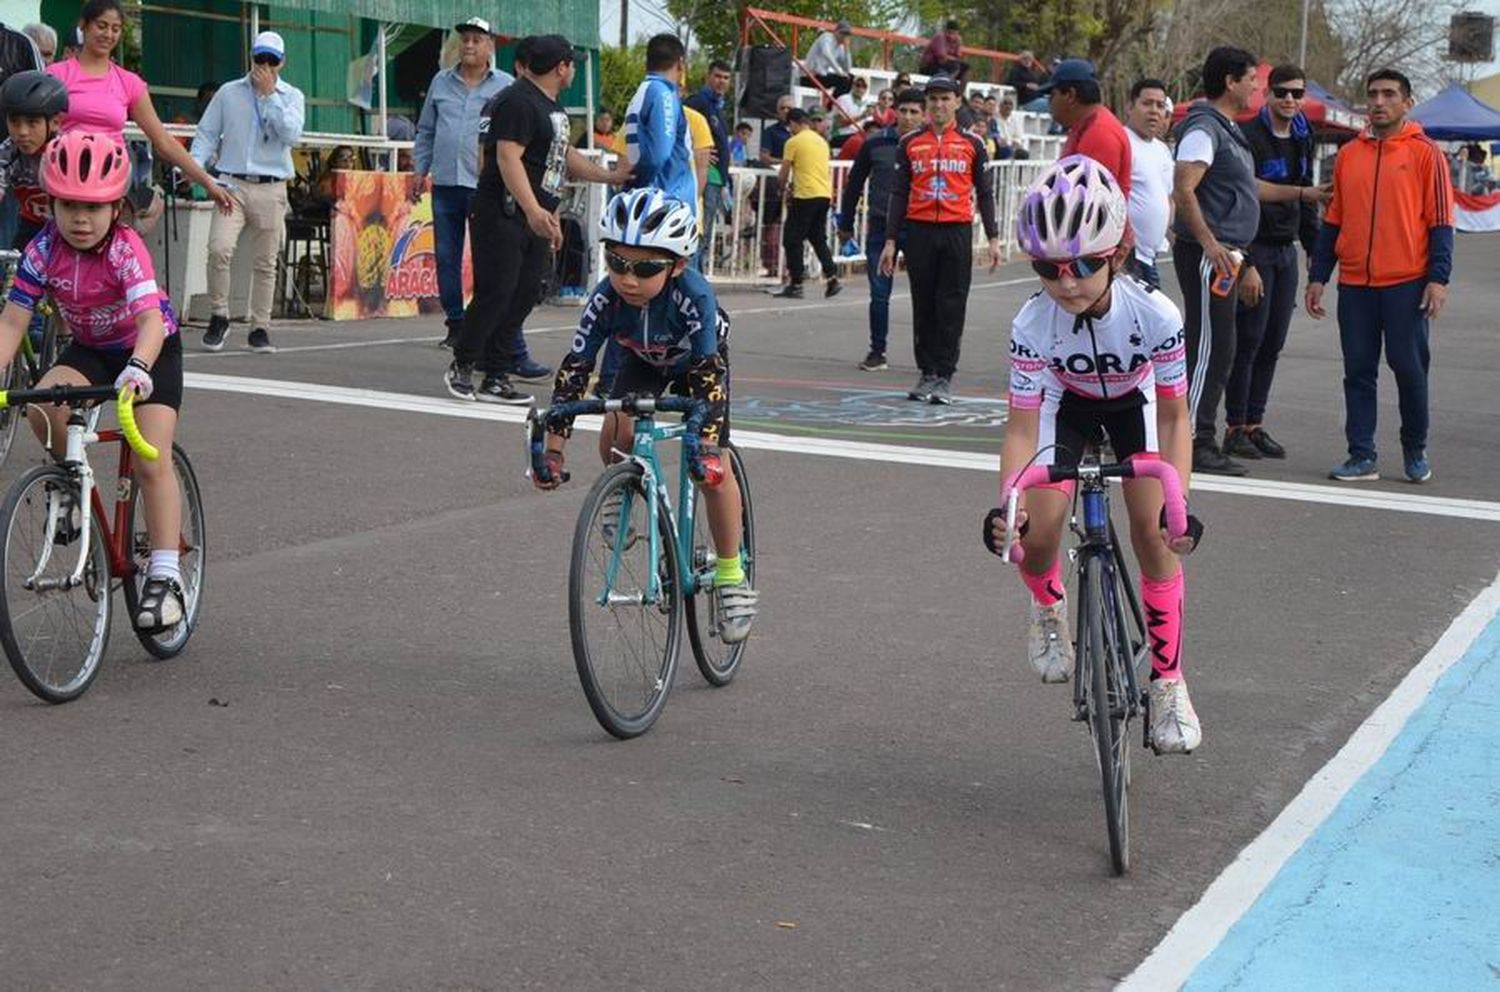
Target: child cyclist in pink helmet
(1096,349)
(99,274)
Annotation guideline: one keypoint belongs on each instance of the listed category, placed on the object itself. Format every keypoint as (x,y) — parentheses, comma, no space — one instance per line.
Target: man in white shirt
(1010,133)
(1151,168)
(830,62)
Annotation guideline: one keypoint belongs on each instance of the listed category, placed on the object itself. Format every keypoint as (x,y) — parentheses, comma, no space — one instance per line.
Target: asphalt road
(374,767)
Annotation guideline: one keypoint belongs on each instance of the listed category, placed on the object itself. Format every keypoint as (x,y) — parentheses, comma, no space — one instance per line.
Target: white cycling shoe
(1174,723)
(1047,644)
(737,609)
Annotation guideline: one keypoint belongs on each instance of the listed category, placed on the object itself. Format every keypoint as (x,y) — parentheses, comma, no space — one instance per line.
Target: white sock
(165,565)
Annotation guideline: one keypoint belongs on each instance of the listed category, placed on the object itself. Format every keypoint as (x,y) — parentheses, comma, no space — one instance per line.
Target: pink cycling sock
(1162,602)
(1046,588)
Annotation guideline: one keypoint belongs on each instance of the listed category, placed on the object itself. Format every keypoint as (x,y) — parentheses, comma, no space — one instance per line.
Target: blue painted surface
(1400,888)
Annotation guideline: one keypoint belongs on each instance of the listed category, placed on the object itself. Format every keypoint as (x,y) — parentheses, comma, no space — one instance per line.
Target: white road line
(343,345)
(1439,506)
(1199,930)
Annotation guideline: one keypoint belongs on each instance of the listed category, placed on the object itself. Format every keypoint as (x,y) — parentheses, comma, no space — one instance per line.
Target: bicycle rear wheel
(169,643)
(53,633)
(716,660)
(1107,708)
(625,635)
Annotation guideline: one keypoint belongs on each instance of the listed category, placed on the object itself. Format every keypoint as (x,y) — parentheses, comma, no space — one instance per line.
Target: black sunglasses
(264,59)
(1078,268)
(1282,92)
(643,269)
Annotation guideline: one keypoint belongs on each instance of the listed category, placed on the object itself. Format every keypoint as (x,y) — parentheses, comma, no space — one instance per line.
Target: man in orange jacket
(1389,228)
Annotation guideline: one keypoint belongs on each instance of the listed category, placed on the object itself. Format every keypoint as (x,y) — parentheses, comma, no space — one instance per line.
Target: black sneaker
(497,389)
(791,291)
(530,370)
(833,288)
(218,329)
(1266,444)
(1239,444)
(1208,459)
(874,362)
(942,392)
(922,391)
(260,341)
(460,381)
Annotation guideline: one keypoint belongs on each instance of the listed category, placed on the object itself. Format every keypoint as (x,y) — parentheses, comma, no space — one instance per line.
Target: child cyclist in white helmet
(99,273)
(1097,350)
(672,334)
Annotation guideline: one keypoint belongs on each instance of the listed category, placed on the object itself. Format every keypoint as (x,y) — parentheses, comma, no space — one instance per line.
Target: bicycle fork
(57,508)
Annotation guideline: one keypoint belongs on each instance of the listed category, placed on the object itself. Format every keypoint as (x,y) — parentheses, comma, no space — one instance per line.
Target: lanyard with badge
(260,121)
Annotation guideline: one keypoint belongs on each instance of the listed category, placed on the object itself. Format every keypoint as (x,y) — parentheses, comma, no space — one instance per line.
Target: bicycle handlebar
(76,396)
(694,412)
(1135,467)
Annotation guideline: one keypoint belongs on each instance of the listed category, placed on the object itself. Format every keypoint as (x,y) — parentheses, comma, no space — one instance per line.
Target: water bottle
(1224,281)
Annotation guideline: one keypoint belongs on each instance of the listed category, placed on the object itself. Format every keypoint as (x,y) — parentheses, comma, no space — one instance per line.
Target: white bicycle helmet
(1075,208)
(649,218)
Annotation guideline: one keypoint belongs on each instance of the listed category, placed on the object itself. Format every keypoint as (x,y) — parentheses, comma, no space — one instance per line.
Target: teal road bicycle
(638,563)
(40,347)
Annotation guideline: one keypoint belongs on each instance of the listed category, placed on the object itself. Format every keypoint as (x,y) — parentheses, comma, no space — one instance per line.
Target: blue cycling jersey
(683,323)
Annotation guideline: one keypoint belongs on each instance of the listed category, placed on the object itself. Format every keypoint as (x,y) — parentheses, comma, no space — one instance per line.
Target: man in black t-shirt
(513,224)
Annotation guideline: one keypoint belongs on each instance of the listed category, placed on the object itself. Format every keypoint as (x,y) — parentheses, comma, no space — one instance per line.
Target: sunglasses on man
(1282,92)
(643,268)
(267,59)
(1078,268)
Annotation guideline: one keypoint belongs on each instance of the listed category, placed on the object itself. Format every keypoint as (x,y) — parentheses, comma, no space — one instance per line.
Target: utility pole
(624,23)
(1302,48)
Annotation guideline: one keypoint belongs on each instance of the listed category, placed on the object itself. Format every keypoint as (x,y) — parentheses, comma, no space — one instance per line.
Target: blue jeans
(880,288)
(712,198)
(1369,317)
(1145,271)
(450,217)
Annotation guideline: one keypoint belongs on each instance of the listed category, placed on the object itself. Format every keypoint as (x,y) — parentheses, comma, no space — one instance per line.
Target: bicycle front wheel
(13,376)
(1107,710)
(53,630)
(191,546)
(623,606)
(716,660)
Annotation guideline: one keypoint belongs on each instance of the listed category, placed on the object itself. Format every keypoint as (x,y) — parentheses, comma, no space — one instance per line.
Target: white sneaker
(1174,723)
(1048,647)
(736,611)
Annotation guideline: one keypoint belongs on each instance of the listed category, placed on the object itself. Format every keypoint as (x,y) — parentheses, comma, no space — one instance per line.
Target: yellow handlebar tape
(4,398)
(125,408)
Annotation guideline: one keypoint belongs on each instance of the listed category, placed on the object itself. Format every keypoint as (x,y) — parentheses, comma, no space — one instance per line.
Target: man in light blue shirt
(248,131)
(446,156)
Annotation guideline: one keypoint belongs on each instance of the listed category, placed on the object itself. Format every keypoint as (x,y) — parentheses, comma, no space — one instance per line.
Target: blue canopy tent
(1455,115)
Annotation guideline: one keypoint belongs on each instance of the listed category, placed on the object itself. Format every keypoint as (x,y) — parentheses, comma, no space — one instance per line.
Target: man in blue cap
(1074,98)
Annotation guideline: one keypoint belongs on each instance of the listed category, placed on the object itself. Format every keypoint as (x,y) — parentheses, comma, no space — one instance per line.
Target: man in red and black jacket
(939,174)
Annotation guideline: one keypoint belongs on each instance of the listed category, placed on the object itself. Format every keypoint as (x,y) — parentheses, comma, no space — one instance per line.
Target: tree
(716,24)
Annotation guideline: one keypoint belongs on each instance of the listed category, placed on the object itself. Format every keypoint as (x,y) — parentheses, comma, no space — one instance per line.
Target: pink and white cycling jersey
(1137,345)
(99,293)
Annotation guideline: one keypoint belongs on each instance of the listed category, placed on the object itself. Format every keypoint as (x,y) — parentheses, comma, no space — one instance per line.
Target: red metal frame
(121,563)
(756,16)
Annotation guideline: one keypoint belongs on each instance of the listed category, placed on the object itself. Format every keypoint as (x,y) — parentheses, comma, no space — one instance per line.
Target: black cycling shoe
(161,605)
(1238,444)
(1265,443)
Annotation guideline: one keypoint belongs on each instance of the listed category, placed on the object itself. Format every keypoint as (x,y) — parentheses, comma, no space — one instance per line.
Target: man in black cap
(513,222)
(939,174)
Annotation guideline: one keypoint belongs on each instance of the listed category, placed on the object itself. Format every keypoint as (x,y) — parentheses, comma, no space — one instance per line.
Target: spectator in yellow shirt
(703,152)
(805,162)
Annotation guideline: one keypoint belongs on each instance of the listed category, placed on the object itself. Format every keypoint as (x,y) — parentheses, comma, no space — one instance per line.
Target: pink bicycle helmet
(1074,209)
(87,167)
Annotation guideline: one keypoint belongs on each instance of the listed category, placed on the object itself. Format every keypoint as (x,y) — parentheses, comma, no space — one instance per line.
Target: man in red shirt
(1073,97)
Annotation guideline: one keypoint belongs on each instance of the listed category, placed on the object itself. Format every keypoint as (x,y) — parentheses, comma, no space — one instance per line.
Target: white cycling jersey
(1137,345)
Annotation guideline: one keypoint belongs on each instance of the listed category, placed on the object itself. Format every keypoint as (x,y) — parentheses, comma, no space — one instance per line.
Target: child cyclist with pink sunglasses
(1097,350)
(100,276)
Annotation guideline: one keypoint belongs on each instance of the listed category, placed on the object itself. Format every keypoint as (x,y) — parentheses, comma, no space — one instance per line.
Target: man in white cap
(829,59)
(248,131)
(446,156)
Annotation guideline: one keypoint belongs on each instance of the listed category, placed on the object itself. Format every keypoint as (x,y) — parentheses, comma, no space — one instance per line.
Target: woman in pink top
(103,95)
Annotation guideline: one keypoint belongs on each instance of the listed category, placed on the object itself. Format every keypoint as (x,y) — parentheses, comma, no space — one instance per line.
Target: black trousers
(940,265)
(837,84)
(807,221)
(1261,334)
(1208,322)
(510,262)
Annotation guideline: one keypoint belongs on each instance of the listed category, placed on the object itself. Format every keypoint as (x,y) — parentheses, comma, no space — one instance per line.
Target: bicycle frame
(648,434)
(82,432)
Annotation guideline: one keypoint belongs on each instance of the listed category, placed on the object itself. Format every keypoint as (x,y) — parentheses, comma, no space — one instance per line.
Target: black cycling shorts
(102,366)
(1072,422)
(638,377)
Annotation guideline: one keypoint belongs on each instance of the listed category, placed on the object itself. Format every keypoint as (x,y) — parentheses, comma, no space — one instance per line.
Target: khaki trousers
(262,207)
